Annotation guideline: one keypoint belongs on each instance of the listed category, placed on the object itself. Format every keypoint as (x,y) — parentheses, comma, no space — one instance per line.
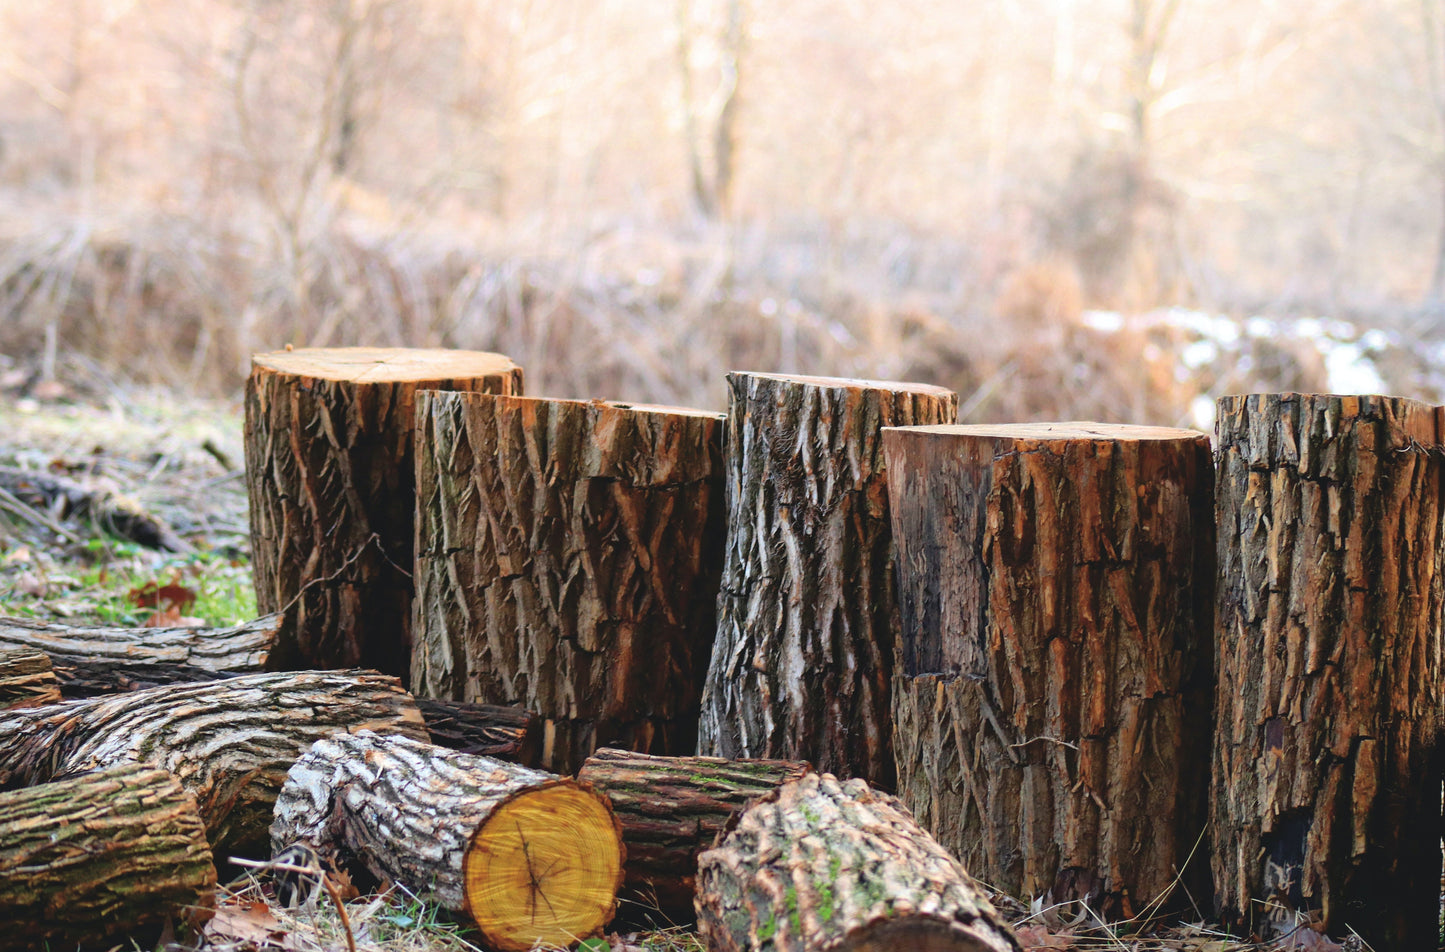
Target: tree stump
(330,474)
(807,617)
(95,859)
(531,858)
(819,864)
(1326,792)
(1052,717)
(27,679)
(567,561)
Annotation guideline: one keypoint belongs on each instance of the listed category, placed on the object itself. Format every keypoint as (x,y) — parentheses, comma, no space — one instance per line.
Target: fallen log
(486,730)
(820,864)
(531,858)
(58,497)
(27,679)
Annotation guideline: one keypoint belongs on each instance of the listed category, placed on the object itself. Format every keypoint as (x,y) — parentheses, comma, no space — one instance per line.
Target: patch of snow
(1199,353)
(1201,411)
(1350,371)
(1110,322)
(1260,327)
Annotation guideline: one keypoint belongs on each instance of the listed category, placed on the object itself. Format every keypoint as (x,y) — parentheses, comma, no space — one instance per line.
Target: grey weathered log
(26,678)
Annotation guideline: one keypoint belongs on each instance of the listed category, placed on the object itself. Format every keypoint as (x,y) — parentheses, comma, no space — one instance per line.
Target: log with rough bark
(530,857)
(330,475)
(567,561)
(671,809)
(820,864)
(488,730)
(228,742)
(99,858)
(1326,791)
(51,496)
(807,616)
(1052,717)
(27,679)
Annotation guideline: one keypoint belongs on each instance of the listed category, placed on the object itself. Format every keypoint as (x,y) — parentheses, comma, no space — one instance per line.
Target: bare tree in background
(1432,36)
(717,118)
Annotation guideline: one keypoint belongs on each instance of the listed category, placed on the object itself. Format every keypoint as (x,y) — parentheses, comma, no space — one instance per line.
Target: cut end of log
(854,383)
(1072,430)
(383,364)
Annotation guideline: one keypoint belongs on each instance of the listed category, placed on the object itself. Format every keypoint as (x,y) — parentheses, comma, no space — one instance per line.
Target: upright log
(1052,717)
(27,679)
(567,561)
(807,616)
(1326,792)
(330,474)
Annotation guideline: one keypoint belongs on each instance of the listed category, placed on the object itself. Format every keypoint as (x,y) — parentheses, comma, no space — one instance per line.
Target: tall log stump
(807,616)
(1052,717)
(330,474)
(567,561)
(1326,793)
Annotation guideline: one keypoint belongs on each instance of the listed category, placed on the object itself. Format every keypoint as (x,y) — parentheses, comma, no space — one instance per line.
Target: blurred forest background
(1115,209)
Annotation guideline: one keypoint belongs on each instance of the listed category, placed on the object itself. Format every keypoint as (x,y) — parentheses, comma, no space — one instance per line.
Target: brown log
(530,857)
(27,679)
(1326,792)
(1052,717)
(488,730)
(819,864)
(671,809)
(95,859)
(330,476)
(807,617)
(567,561)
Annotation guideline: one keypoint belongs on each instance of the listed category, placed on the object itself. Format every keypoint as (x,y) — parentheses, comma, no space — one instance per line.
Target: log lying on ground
(529,857)
(228,742)
(330,476)
(820,864)
(1326,792)
(487,730)
(57,497)
(94,859)
(671,809)
(27,679)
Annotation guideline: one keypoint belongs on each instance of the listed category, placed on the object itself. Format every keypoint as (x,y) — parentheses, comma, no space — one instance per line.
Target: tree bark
(671,809)
(807,616)
(330,474)
(228,742)
(1052,715)
(531,858)
(27,679)
(819,864)
(1326,792)
(98,858)
(487,730)
(567,561)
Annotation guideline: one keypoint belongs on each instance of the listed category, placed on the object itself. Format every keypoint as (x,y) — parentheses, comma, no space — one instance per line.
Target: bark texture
(95,859)
(330,474)
(1326,793)
(567,561)
(1052,717)
(807,615)
(820,864)
(27,679)
(487,730)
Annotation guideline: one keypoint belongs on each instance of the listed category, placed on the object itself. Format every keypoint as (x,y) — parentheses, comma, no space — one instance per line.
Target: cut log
(567,561)
(530,857)
(101,857)
(330,476)
(27,679)
(819,864)
(1326,792)
(58,497)
(487,730)
(228,742)
(807,617)
(671,809)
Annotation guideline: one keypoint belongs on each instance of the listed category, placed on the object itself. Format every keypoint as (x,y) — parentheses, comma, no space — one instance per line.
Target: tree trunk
(819,864)
(228,742)
(330,473)
(671,809)
(567,561)
(807,616)
(487,730)
(529,857)
(1326,793)
(27,679)
(95,859)
(1052,714)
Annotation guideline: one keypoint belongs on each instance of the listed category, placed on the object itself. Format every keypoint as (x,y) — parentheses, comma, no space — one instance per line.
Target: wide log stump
(27,678)
(1052,717)
(1326,792)
(330,475)
(819,864)
(567,561)
(530,857)
(807,616)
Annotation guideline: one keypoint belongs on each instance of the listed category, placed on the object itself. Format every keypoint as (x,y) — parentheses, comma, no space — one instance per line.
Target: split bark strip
(330,473)
(807,616)
(530,857)
(1052,719)
(567,561)
(95,859)
(26,679)
(486,730)
(229,743)
(1326,792)
(671,809)
(819,864)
